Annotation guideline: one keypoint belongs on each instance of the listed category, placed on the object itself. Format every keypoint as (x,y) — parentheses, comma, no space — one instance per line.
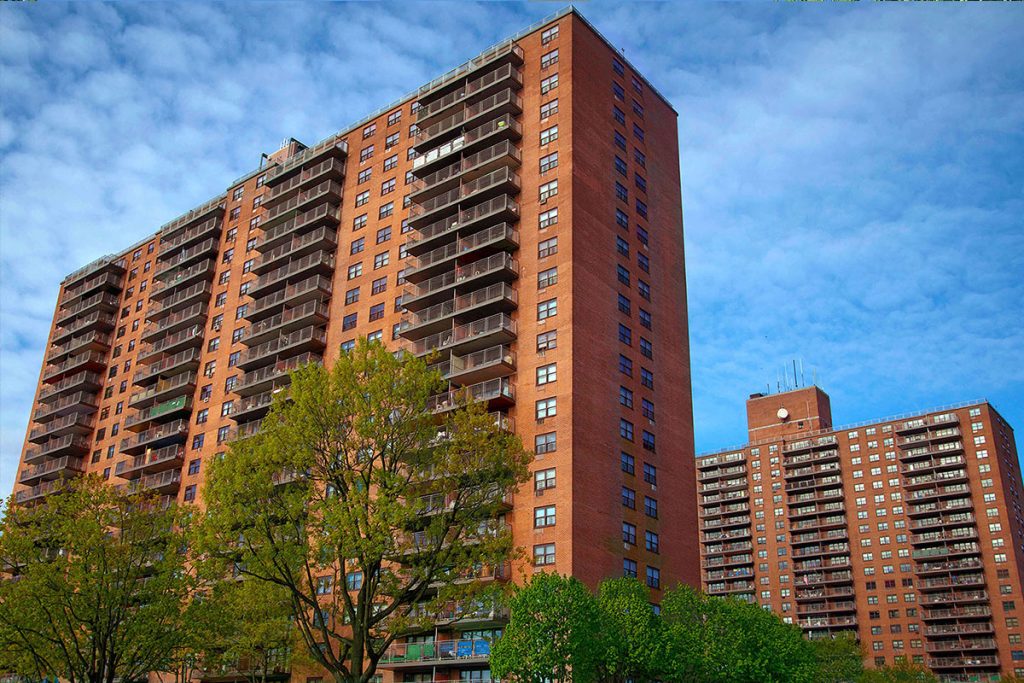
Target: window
(618,92)
(394,117)
(621,246)
(544,554)
(349,321)
(625,397)
(643,263)
(381,260)
(193,466)
(379,285)
(549,135)
(640,182)
(547,373)
(391,162)
(627,463)
(197,442)
(644,289)
(638,132)
(629,533)
(548,162)
(640,158)
(547,340)
(548,84)
(392,140)
(625,429)
(365,153)
(352,296)
(386,210)
(617,67)
(650,474)
(549,35)
(369,130)
(638,109)
(625,365)
(543,516)
(641,208)
(650,507)
(547,277)
(545,443)
(620,140)
(544,479)
(359,222)
(364,175)
(621,219)
(646,348)
(548,218)
(376,312)
(625,335)
(651,541)
(647,439)
(622,274)
(547,309)
(629,568)
(647,409)
(355,270)
(645,318)
(190,493)
(546,407)
(234,358)
(548,59)
(548,190)
(621,192)
(549,108)
(620,165)
(628,498)
(618,114)
(653,577)
(363,197)
(383,235)
(625,306)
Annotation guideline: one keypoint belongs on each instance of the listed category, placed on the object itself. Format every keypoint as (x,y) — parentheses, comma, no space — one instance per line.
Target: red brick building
(520,214)
(906,531)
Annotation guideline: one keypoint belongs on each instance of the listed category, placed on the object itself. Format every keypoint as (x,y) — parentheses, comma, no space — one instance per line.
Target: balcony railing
(71,444)
(161,459)
(94,340)
(170,230)
(439,651)
(310,313)
(163,482)
(423,321)
(83,380)
(332,146)
(498,324)
(506,101)
(38,492)
(502,235)
(98,320)
(56,371)
(321,261)
(460,276)
(502,179)
(500,207)
(79,423)
(173,343)
(181,277)
(194,314)
(81,401)
(316,287)
(255,381)
(309,337)
(206,248)
(324,238)
(199,292)
(208,228)
(474,88)
(274,236)
(175,405)
(181,361)
(809,444)
(102,300)
(491,390)
(69,465)
(155,435)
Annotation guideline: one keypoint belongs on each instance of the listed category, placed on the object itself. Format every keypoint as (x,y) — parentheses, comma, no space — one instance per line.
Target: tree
(370,507)
(96,589)
(633,641)
(716,639)
(840,659)
(553,633)
(248,629)
(901,672)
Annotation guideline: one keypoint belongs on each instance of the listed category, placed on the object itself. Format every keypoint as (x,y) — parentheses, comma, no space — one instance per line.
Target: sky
(852,176)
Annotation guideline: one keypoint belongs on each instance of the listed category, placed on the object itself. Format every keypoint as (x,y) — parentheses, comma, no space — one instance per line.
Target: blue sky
(853,177)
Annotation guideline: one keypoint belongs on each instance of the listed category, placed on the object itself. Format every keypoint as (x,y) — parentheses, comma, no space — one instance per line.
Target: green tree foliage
(840,659)
(96,588)
(714,639)
(633,640)
(354,482)
(902,672)
(247,630)
(553,634)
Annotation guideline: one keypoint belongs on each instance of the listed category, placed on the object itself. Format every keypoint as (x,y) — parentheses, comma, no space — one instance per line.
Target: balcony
(273,376)
(439,653)
(815,509)
(954,597)
(806,445)
(503,128)
(165,482)
(317,288)
(817,537)
(941,536)
(475,275)
(818,608)
(38,492)
(91,360)
(332,148)
(931,452)
(101,301)
(317,263)
(208,248)
(822,550)
(104,274)
(828,622)
(83,381)
(59,468)
(444,206)
(498,297)
(498,237)
(329,191)
(318,216)
(253,407)
(323,238)
(815,496)
(193,315)
(186,238)
(711,499)
(947,551)
(175,280)
(498,394)
(479,334)
(75,423)
(811,470)
(244,431)
(166,458)
(499,209)
(159,412)
(816,593)
(816,482)
(176,364)
(961,645)
(959,519)
(155,437)
(98,320)
(966,661)
(938,492)
(79,402)
(833,521)
(173,344)
(469,167)
(181,299)
(71,444)
(310,314)
(966,612)
(941,567)
(923,423)
(719,536)
(711,513)
(173,229)
(955,505)
(940,582)
(959,629)
(306,339)
(929,437)
(506,52)
(165,389)
(507,76)
(720,485)
(90,341)
(503,102)
(727,561)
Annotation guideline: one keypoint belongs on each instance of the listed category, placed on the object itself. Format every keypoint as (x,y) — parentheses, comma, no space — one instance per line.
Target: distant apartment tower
(906,531)
(520,215)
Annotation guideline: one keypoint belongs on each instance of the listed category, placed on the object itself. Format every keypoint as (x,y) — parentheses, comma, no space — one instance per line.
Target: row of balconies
(159,411)
(719,460)
(974,579)
(811,565)
(194,314)
(935,464)
(181,259)
(936,536)
(69,444)
(720,587)
(35,494)
(935,477)
(958,504)
(317,287)
(723,522)
(716,536)
(81,401)
(90,341)
(720,472)
(959,629)
(490,331)
(964,564)
(469,167)
(739,572)
(323,238)
(105,273)
(501,180)
(183,298)
(320,215)
(965,612)
(101,301)
(923,423)
(727,560)
(310,313)
(74,423)
(809,470)
(966,661)
(478,366)
(97,320)
(305,339)
(495,210)
(436,318)
(155,437)
(328,191)
(165,482)
(83,381)
(158,460)
(332,147)
(939,449)
(725,548)
(815,496)
(816,509)
(500,236)
(818,608)
(178,362)
(818,592)
(954,597)
(319,262)
(829,480)
(172,229)
(328,169)
(503,102)
(815,537)
(938,492)
(269,377)
(810,444)
(497,393)
(942,434)
(504,127)
(175,280)
(947,550)
(506,75)
(725,510)
(173,344)
(957,519)
(56,468)
(252,406)
(822,523)
(828,622)
(711,499)
(725,484)
(838,576)
(90,360)
(197,233)
(818,550)
(818,456)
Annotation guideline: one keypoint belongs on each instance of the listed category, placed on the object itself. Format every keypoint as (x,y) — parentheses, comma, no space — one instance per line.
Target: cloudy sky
(853,177)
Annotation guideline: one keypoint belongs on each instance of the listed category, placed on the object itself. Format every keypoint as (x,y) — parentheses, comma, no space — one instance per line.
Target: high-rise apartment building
(520,215)
(906,531)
